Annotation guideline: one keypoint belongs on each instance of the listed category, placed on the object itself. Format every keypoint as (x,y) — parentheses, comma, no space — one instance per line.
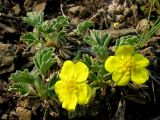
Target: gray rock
(4,117)
(119,8)
(111,9)
(143,25)
(7,56)
(134,9)
(76,9)
(127,11)
(28,5)
(119,18)
(23,114)
(16,9)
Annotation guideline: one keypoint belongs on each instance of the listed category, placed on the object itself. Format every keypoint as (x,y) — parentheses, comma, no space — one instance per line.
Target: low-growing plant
(34,82)
(98,42)
(46,32)
(80,81)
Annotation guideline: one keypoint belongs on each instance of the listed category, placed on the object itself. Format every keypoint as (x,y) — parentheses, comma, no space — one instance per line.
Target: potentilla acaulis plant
(74,82)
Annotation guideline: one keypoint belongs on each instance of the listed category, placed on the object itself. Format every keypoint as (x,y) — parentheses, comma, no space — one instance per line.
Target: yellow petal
(60,90)
(84,93)
(70,102)
(139,75)
(140,60)
(121,78)
(81,72)
(112,63)
(67,71)
(125,50)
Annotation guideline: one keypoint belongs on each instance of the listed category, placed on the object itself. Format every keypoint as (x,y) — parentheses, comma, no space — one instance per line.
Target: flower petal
(121,78)
(60,90)
(81,72)
(112,63)
(140,60)
(139,75)
(84,93)
(125,50)
(67,71)
(70,102)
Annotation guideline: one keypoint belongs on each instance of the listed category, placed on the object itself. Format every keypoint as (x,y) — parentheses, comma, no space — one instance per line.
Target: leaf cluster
(33,82)
(45,30)
(98,42)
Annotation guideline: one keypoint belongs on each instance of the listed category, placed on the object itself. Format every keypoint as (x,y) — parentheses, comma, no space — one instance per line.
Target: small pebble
(119,8)
(111,9)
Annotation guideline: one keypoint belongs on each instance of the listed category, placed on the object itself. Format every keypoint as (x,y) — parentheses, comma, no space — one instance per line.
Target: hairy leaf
(44,60)
(23,88)
(34,18)
(82,27)
(22,76)
(31,37)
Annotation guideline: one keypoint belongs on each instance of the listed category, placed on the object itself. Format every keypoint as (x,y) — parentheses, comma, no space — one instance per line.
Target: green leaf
(60,22)
(31,37)
(44,60)
(61,38)
(52,81)
(20,87)
(101,72)
(46,27)
(34,18)
(97,38)
(87,60)
(22,76)
(92,76)
(101,52)
(54,25)
(41,88)
(82,27)
(105,39)
(132,40)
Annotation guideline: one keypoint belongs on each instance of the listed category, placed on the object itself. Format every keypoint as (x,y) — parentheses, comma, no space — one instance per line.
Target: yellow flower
(72,87)
(126,66)
(116,25)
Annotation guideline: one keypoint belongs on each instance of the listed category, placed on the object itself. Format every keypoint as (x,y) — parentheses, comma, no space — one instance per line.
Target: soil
(146,104)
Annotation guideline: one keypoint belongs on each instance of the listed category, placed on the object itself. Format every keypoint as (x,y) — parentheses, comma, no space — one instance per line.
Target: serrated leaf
(22,76)
(60,22)
(46,27)
(31,37)
(82,27)
(19,87)
(34,18)
(128,40)
(44,60)
(97,38)
(46,65)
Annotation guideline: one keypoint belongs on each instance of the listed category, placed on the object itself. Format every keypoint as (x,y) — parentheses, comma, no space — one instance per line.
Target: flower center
(128,64)
(71,86)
